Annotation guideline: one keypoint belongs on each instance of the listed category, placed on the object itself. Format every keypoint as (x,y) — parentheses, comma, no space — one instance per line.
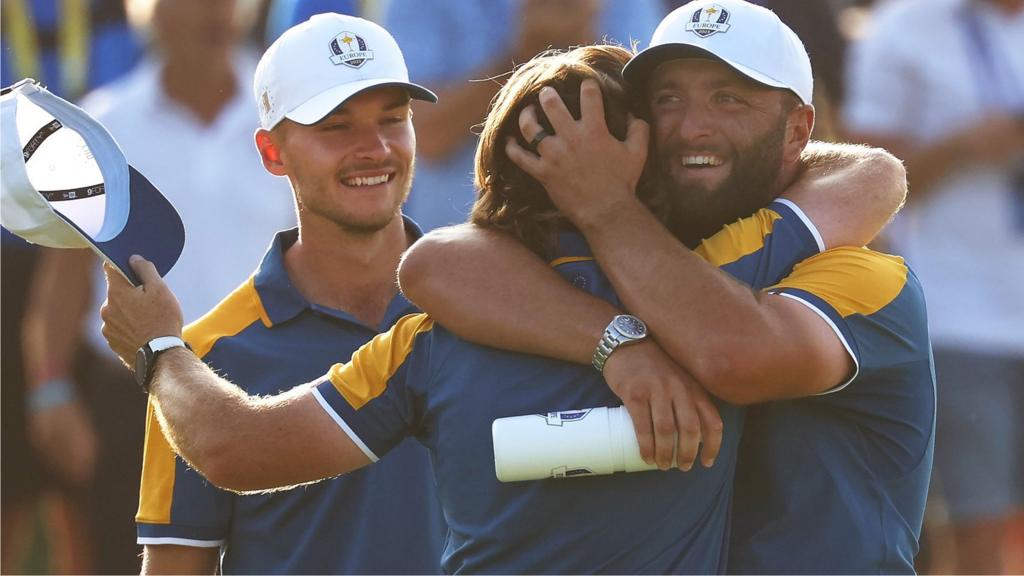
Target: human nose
(694,123)
(372,144)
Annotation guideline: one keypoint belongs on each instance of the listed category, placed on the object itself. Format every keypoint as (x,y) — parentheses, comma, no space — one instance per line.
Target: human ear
(270,154)
(799,124)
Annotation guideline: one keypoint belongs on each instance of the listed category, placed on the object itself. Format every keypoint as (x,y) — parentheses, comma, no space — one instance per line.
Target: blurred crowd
(938,82)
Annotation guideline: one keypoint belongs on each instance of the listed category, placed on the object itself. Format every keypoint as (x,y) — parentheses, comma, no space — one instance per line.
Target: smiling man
(836,455)
(335,120)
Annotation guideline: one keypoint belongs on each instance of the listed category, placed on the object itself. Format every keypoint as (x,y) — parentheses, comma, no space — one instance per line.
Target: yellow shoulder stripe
(851,280)
(738,239)
(232,315)
(366,376)
(156,491)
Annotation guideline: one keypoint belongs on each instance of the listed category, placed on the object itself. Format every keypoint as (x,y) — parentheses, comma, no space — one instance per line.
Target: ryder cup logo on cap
(349,49)
(708,21)
(66,184)
(749,38)
(316,66)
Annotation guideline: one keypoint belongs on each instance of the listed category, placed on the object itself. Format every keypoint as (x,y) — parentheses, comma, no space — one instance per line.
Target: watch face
(140,366)
(630,326)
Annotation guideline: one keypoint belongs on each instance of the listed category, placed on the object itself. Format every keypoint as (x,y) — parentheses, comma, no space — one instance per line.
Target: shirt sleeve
(871,301)
(763,248)
(176,504)
(373,397)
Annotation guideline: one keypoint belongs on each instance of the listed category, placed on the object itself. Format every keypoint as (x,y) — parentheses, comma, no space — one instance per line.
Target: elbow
(221,463)
(892,176)
(728,376)
(416,268)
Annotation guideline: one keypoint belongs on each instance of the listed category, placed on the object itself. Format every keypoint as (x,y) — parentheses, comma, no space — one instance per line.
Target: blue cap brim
(153,230)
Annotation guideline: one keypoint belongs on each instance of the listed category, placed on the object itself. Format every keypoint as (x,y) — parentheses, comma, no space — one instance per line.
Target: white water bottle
(566,444)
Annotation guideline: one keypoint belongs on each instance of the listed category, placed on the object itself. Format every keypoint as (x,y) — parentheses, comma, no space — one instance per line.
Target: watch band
(149,352)
(623,329)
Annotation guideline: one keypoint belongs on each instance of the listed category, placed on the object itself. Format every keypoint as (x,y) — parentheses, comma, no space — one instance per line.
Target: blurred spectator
(283,14)
(941,84)
(185,118)
(464,48)
(71,47)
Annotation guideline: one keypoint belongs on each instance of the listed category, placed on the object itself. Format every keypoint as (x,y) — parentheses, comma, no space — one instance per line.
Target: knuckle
(663,428)
(689,428)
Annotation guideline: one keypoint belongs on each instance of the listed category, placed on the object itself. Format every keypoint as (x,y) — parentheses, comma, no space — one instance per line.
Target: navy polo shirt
(266,338)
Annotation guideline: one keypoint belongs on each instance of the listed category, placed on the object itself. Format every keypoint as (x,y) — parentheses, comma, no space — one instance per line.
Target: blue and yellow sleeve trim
(845,282)
(365,377)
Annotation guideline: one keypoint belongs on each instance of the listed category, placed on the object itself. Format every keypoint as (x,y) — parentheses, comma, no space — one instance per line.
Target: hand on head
(132,316)
(582,161)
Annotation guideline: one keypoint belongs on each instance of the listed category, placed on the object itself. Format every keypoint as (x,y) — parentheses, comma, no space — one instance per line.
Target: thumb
(145,270)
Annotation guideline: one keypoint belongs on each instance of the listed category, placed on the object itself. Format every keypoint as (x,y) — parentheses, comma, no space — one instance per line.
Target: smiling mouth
(702,161)
(362,181)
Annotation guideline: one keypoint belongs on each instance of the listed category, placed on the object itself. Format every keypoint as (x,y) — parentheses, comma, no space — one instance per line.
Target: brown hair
(509,199)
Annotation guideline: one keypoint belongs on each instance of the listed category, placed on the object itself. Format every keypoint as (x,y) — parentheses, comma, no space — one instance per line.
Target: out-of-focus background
(938,82)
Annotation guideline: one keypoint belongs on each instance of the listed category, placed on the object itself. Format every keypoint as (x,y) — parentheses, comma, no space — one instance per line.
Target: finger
(664,425)
(115,280)
(711,428)
(638,136)
(526,160)
(145,270)
(529,124)
(688,426)
(591,103)
(640,413)
(558,115)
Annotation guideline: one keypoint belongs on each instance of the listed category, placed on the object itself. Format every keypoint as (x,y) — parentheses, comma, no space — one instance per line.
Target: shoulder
(231,316)
(853,280)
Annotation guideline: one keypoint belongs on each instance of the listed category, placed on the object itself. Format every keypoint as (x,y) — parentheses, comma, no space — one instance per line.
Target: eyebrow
(731,82)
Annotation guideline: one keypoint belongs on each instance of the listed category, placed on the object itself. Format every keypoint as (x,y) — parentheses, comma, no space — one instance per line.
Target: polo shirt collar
(282,301)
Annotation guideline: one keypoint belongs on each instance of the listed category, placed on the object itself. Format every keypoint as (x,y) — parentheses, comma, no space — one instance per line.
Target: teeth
(701,161)
(366,180)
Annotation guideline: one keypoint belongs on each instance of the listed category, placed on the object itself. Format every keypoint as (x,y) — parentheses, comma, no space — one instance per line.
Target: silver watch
(624,329)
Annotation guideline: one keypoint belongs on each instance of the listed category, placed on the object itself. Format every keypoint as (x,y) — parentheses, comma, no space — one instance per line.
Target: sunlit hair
(508,198)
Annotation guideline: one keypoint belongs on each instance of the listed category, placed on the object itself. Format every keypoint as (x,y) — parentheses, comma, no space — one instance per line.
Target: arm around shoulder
(488,288)
(850,192)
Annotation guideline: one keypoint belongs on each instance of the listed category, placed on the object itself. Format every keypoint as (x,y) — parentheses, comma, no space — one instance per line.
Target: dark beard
(698,214)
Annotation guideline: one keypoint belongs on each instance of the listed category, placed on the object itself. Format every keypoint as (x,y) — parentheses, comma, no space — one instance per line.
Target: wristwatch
(624,329)
(145,357)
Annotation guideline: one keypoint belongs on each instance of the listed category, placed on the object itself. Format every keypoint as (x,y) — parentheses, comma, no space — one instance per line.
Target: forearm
(172,559)
(712,325)
(462,277)
(52,327)
(244,443)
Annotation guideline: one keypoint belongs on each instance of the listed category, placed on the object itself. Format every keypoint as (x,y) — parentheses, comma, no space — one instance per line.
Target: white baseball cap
(747,37)
(317,65)
(66,184)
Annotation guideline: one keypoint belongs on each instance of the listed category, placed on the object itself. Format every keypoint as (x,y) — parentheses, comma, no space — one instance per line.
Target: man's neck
(203,88)
(345,270)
